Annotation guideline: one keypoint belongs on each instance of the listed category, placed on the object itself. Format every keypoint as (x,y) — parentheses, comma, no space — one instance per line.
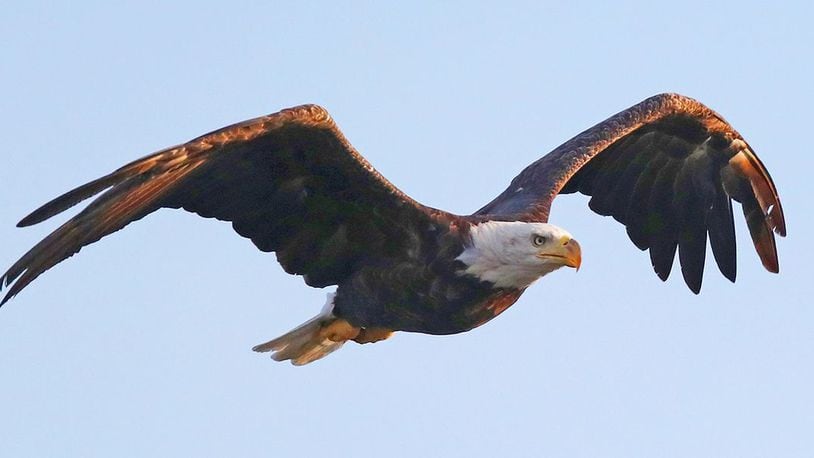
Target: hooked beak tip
(573,254)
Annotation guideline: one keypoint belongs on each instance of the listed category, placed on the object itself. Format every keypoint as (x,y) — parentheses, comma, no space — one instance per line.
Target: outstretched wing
(667,169)
(289,181)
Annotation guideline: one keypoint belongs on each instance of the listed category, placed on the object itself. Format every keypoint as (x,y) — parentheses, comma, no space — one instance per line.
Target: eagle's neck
(485,267)
(486,257)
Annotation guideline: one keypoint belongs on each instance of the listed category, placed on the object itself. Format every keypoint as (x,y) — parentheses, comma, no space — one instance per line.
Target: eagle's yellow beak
(567,252)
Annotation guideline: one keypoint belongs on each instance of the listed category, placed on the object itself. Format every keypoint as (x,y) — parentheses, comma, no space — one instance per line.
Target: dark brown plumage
(666,168)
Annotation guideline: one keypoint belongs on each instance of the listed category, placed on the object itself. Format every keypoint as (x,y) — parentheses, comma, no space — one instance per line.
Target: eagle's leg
(370,335)
(313,339)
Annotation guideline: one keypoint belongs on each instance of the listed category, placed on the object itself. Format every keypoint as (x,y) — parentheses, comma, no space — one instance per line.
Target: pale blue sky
(140,345)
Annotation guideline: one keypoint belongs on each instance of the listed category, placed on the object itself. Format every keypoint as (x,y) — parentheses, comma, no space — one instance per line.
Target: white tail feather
(312,340)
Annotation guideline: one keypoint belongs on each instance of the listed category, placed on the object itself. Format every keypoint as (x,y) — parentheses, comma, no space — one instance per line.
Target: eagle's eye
(539,240)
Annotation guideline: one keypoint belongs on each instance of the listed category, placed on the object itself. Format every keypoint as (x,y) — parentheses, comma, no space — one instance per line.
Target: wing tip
(762,207)
(31,219)
(748,165)
(776,218)
(694,283)
(772,265)
(6,298)
(5,281)
(69,199)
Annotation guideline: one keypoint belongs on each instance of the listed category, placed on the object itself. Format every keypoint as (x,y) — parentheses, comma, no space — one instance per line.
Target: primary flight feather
(667,168)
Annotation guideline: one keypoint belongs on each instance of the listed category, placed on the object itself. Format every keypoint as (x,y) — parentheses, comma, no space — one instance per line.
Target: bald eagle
(667,168)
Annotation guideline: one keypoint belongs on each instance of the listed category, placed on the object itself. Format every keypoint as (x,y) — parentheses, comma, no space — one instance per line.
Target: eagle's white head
(513,254)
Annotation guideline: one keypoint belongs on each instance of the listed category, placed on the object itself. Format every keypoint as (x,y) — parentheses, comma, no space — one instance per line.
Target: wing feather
(660,226)
(690,208)
(721,228)
(638,211)
(761,232)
